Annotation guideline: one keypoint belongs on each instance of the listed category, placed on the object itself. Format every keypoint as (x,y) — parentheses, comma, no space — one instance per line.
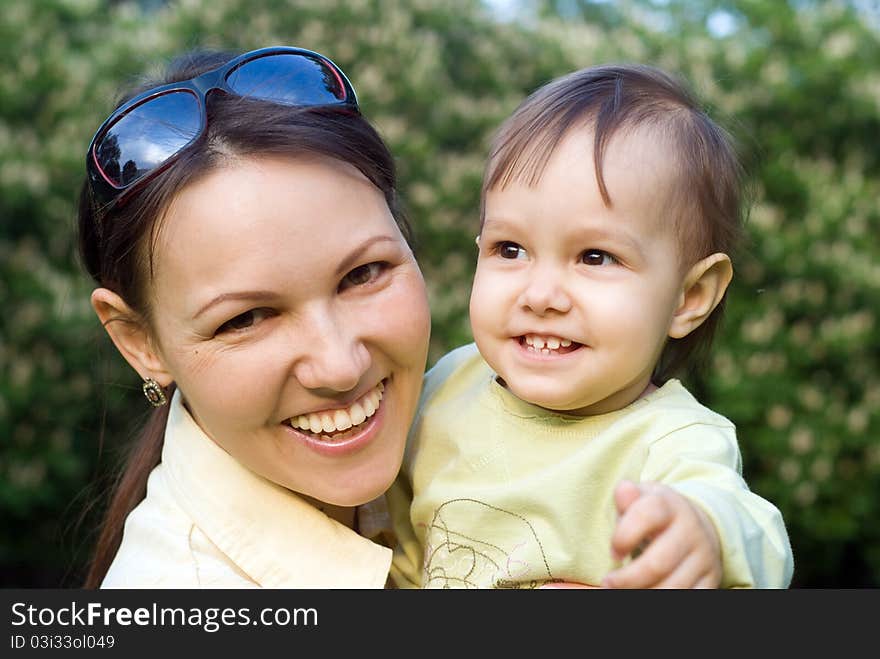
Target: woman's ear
(703,288)
(130,335)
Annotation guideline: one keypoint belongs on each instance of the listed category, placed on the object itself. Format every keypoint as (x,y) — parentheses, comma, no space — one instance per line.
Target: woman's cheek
(404,312)
(232,380)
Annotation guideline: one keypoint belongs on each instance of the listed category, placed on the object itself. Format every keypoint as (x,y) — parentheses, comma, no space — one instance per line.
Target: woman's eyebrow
(357,252)
(344,266)
(237,295)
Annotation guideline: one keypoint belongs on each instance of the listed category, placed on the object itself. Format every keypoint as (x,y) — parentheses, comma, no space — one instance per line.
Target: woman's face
(293,317)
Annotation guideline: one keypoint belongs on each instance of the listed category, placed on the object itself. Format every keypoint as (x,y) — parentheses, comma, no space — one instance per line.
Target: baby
(560,448)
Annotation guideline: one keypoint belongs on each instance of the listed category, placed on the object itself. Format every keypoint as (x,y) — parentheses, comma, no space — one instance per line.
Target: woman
(253,266)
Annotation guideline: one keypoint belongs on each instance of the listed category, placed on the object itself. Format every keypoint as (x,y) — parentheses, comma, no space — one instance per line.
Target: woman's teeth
(332,421)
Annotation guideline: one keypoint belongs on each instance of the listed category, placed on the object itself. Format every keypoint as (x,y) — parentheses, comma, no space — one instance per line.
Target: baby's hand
(672,541)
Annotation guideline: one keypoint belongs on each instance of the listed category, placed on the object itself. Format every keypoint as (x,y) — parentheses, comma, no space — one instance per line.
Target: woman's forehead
(308,197)
(258,217)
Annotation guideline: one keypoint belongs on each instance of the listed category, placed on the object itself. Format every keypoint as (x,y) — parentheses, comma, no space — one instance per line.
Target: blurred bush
(796,366)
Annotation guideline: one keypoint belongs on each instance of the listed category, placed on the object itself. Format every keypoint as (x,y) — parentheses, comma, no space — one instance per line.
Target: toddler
(559,448)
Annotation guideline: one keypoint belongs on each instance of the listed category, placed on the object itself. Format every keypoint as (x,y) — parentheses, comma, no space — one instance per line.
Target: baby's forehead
(525,155)
(636,170)
(633,163)
(642,149)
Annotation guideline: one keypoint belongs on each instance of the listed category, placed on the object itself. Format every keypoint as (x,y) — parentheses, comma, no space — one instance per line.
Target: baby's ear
(130,335)
(703,288)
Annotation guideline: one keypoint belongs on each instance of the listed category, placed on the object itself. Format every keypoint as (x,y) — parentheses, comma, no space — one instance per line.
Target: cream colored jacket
(207,521)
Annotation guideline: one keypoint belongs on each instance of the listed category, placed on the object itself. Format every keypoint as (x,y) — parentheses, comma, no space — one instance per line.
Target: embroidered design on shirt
(454,559)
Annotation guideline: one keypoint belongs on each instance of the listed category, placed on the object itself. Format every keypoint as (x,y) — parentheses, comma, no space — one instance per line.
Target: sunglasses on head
(146,134)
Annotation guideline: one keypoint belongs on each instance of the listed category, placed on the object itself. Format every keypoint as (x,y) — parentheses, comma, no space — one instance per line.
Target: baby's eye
(362,275)
(597,257)
(246,320)
(510,250)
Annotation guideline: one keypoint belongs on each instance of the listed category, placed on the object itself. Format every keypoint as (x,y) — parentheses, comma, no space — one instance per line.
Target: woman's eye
(363,274)
(244,320)
(509,250)
(597,257)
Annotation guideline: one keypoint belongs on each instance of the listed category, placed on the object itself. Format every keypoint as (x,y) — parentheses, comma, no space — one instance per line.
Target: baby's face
(572,301)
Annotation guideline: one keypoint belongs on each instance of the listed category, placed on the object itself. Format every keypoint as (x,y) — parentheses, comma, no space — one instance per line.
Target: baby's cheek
(481,306)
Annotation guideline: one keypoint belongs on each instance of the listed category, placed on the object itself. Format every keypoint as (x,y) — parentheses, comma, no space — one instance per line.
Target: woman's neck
(345,515)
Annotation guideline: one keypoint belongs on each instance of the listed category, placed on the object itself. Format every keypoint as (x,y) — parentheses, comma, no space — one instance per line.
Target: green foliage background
(796,366)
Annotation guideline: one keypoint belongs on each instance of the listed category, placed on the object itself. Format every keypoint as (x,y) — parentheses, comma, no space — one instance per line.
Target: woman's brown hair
(116,244)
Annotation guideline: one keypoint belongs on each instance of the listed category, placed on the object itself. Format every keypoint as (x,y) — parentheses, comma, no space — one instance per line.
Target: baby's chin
(559,402)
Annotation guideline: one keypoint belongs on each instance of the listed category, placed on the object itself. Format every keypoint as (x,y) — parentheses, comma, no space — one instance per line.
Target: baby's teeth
(342,420)
(543,343)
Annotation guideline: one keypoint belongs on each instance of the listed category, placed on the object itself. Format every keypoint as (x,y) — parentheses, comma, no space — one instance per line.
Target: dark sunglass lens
(291,78)
(146,136)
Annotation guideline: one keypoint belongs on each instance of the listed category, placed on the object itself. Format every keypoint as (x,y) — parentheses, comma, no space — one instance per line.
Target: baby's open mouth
(337,425)
(548,345)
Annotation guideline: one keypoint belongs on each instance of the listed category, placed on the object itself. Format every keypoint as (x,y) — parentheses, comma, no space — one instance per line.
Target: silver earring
(154,393)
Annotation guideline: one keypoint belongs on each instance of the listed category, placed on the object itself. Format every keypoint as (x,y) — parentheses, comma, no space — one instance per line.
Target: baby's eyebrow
(499,224)
(617,235)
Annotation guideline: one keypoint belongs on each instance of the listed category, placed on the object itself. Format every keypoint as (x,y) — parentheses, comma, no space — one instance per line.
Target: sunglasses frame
(107,194)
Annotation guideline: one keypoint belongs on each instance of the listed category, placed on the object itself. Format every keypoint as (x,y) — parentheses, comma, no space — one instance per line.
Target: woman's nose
(332,356)
(545,293)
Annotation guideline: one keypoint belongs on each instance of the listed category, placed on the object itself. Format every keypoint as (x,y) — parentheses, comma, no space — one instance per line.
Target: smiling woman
(255,272)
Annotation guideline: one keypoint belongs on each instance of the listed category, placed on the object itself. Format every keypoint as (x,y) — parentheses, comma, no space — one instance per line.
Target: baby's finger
(625,494)
(689,573)
(709,580)
(660,559)
(632,575)
(644,519)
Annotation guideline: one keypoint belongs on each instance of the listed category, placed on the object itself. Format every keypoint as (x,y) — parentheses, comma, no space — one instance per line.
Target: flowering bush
(795,365)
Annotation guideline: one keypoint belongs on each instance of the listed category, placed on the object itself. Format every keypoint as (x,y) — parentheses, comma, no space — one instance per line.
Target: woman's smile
(333,425)
(346,442)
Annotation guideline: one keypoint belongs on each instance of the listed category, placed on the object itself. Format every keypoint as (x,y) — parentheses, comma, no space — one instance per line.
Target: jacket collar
(269,532)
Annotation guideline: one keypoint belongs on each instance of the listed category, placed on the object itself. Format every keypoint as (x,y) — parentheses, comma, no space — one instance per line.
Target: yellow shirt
(207,521)
(510,495)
